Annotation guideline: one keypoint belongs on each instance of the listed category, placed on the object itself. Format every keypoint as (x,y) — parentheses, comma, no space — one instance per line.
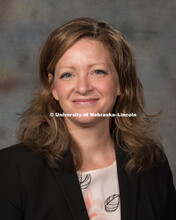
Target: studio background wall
(148,25)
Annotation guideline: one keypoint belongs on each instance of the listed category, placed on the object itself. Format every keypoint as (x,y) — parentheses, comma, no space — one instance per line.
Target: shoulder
(18,151)
(21,157)
(158,182)
(156,187)
(160,171)
(159,176)
(20,178)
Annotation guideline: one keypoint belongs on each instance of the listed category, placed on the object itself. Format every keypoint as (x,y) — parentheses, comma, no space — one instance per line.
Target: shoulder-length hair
(49,135)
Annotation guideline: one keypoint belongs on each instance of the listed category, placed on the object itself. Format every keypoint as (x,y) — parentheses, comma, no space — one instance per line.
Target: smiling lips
(84,101)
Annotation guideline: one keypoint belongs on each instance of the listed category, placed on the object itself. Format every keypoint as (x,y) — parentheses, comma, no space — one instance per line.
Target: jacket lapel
(69,185)
(128,189)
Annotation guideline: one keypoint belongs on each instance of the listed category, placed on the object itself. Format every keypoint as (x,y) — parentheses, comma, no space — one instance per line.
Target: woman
(79,158)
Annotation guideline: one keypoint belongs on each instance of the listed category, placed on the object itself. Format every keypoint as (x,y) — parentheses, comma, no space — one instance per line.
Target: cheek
(63,90)
(109,87)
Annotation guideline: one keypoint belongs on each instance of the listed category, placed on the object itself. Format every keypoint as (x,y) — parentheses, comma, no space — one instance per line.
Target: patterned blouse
(100,189)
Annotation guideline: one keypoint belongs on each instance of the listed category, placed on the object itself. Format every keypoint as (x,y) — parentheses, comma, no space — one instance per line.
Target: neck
(95,145)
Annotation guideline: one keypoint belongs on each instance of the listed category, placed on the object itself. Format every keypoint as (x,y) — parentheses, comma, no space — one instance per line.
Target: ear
(118,90)
(50,78)
(51,81)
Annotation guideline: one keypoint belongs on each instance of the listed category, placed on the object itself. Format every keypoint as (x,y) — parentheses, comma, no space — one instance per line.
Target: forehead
(86,50)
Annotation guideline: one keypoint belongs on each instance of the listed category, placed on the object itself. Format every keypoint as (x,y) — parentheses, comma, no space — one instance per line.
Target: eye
(100,72)
(66,75)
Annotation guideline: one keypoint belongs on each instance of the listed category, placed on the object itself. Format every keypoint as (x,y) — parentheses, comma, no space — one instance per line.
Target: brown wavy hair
(49,135)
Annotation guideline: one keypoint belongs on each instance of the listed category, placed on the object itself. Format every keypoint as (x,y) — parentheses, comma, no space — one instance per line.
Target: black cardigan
(31,190)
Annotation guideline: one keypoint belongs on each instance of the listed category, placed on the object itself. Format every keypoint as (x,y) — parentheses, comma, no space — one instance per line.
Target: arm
(10,195)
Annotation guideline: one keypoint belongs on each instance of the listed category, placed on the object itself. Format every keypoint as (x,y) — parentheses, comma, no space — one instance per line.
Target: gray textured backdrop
(148,25)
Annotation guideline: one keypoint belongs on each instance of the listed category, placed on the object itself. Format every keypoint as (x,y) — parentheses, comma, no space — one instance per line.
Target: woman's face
(85,81)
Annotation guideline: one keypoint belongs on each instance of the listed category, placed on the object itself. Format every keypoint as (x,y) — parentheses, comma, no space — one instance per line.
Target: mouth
(85,101)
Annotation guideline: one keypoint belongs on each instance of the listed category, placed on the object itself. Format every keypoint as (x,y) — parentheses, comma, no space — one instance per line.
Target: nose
(83,85)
